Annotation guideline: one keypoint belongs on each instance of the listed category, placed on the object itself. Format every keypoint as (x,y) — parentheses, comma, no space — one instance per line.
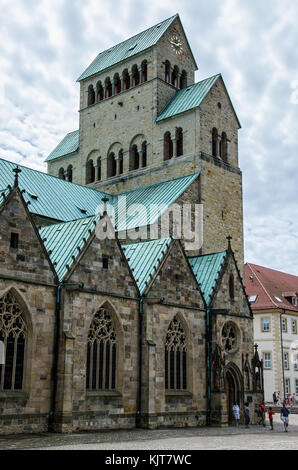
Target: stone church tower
(144,120)
(111,333)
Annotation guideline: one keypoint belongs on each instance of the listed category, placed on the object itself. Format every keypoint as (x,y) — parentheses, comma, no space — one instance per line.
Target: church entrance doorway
(234,390)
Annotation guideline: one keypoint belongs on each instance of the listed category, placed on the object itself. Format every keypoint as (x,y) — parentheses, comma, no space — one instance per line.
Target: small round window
(229,337)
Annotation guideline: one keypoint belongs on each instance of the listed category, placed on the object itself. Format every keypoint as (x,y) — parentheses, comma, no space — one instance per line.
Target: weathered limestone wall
(25,273)
(182,297)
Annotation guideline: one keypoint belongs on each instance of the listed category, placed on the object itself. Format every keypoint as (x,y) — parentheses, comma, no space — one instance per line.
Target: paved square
(232,438)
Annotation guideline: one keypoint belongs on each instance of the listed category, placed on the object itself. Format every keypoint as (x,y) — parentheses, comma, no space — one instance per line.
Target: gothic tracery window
(229,337)
(175,357)
(13,334)
(101,353)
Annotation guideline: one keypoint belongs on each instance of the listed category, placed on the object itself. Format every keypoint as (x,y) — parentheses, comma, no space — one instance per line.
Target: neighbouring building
(135,330)
(273,296)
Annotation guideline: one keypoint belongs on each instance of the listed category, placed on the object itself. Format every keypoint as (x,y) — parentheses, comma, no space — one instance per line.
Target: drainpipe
(56,349)
(141,312)
(208,366)
(282,354)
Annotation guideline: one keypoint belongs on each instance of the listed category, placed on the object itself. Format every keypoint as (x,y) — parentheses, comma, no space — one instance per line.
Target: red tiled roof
(268,284)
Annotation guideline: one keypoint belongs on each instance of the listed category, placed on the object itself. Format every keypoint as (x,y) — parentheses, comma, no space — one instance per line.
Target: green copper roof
(206,268)
(128,48)
(61,200)
(144,259)
(188,98)
(63,240)
(68,145)
(50,196)
(155,200)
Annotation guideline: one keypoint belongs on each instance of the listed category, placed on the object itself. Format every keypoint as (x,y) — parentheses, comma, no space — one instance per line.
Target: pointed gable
(102,266)
(175,280)
(26,257)
(145,258)
(206,269)
(64,242)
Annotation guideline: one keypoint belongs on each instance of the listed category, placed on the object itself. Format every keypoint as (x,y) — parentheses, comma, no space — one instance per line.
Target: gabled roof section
(144,259)
(128,48)
(65,241)
(188,98)
(155,199)
(271,287)
(50,196)
(207,269)
(69,144)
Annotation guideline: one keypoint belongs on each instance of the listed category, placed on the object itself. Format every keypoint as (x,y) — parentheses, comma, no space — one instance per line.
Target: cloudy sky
(46,44)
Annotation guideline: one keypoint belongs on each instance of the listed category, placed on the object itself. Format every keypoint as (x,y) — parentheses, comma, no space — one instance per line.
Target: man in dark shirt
(284,416)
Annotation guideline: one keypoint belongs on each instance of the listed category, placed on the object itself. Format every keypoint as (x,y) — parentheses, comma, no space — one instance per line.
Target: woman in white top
(236,411)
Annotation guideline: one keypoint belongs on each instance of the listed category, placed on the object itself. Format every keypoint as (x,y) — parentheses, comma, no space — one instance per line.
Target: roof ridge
(208,254)
(146,241)
(271,269)
(160,182)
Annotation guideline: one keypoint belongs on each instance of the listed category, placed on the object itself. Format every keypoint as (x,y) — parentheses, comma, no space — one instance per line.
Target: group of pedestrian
(290,400)
(284,414)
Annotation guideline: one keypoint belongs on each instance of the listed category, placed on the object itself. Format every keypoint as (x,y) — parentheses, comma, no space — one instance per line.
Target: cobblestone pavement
(232,438)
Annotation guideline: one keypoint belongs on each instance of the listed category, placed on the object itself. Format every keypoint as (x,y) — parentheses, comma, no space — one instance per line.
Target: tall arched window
(175,357)
(99,169)
(179,142)
(135,75)
(91,95)
(101,353)
(61,173)
(144,154)
(99,91)
(167,71)
(126,80)
(13,333)
(214,141)
(117,84)
(168,146)
(112,166)
(183,79)
(69,173)
(120,162)
(135,158)
(144,74)
(175,73)
(224,147)
(231,287)
(90,172)
(108,86)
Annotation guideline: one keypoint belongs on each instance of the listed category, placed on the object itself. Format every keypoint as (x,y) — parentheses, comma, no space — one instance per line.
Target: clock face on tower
(176,44)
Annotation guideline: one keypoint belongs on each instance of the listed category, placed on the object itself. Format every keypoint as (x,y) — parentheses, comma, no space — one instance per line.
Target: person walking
(278,399)
(271,413)
(274,398)
(262,413)
(284,416)
(246,415)
(236,411)
(288,401)
(293,400)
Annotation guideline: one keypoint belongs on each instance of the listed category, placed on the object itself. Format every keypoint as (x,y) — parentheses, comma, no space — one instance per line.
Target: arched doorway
(234,389)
